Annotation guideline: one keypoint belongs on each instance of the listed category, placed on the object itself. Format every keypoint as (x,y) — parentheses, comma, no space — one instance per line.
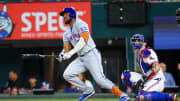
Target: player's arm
(137,69)
(155,67)
(152,72)
(81,43)
(67,47)
(84,37)
(150,57)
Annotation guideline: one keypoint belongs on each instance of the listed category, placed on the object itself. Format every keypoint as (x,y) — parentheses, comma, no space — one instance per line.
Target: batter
(78,35)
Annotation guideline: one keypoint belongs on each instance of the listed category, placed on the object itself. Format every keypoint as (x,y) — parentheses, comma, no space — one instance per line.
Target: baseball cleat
(124,98)
(84,97)
(173,96)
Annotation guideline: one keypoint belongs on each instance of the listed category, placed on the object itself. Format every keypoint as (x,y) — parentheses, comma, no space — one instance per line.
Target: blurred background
(34,27)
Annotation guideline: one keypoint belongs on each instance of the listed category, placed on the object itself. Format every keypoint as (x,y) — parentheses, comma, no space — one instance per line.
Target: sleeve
(65,38)
(78,46)
(84,31)
(83,27)
(151,57)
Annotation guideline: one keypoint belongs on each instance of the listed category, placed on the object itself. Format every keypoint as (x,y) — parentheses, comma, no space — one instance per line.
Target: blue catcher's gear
(126,78)
(155,96)
(136,86)
(140,38)
(72,12)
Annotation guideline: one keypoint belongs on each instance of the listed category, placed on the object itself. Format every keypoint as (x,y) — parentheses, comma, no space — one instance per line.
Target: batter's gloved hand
(60,56)
(66,56)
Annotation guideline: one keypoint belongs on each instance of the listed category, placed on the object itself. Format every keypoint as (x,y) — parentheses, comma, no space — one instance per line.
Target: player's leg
(154,84)
(152,89)
(155,96)
(93,64)
(70,74)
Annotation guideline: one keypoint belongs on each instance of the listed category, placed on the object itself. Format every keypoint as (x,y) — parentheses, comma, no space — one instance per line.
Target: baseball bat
(39,55)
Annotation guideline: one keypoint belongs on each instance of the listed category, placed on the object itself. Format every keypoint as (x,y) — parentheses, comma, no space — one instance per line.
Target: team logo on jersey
(152,58)
(6,25)
(74,37)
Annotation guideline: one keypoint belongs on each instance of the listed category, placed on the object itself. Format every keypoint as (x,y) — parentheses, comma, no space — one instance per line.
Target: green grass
(58,100)
(93,99)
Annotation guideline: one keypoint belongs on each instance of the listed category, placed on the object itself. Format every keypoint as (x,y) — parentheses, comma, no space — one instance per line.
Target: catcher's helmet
(140,38)
(72,12)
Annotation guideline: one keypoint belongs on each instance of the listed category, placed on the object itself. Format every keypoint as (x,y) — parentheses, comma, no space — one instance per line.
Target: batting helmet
(72,12)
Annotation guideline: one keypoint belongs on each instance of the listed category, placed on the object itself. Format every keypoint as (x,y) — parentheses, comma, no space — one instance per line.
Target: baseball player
(78,35)
(151,78)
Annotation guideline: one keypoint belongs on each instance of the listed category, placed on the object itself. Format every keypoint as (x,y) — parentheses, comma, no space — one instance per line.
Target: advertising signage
(28,21)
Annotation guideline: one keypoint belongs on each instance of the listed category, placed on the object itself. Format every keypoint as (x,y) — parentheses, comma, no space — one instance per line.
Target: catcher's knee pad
(143,96)
(153,96)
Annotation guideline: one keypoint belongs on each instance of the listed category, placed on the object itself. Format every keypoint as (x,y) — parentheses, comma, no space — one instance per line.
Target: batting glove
(67,56)
(60,56)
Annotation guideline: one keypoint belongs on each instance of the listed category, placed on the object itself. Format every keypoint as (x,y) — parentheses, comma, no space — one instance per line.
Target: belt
(86,52)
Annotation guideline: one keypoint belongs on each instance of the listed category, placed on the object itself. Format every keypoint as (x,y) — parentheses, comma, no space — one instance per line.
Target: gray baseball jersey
(72,35)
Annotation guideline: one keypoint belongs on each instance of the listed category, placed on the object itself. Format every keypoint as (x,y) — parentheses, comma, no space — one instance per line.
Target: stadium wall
(11,57)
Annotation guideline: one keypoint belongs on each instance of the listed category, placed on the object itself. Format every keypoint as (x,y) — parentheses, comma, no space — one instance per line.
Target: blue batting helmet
(137,37)
(72,12)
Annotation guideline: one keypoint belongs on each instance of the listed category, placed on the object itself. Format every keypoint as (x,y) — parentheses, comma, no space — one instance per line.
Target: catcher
(151,80)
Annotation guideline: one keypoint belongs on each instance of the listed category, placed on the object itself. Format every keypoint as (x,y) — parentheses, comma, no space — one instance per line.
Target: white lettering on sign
(51,21)
(41,19)
(26,21)
(39,22)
